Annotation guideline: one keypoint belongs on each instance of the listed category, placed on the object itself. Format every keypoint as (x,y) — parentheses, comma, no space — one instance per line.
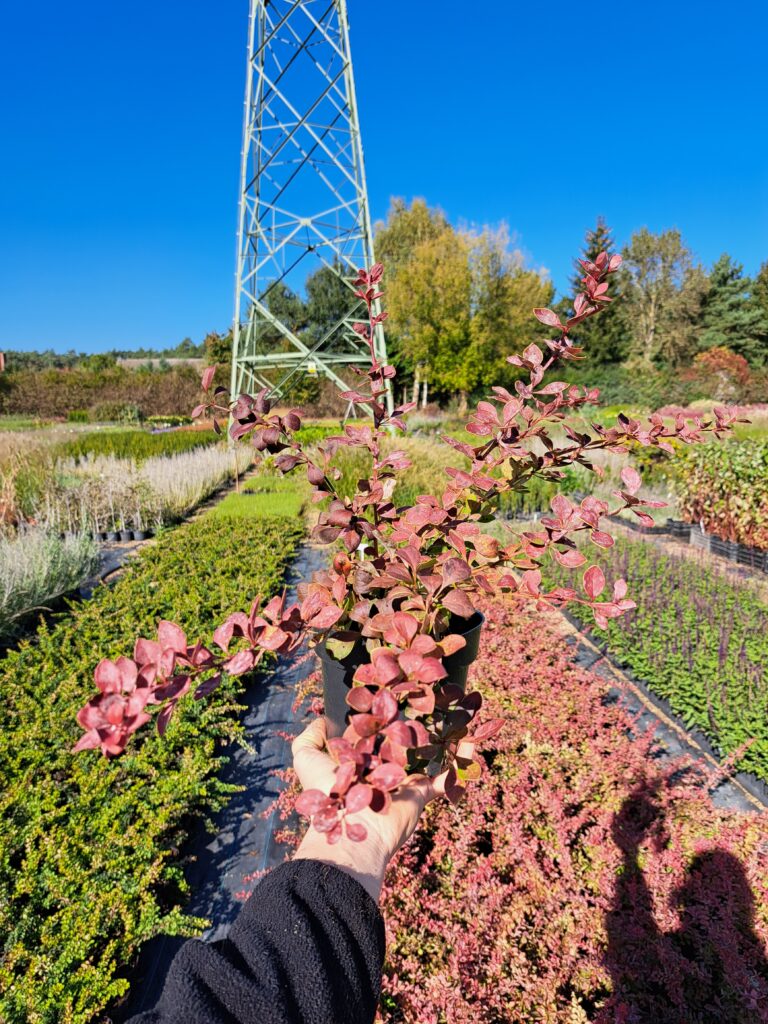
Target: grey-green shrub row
(87,869)
(36,568)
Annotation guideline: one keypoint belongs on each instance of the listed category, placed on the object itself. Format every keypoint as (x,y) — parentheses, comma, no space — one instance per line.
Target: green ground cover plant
(137,444)
(87,863)
(697,639)
(13,423)
(266,496)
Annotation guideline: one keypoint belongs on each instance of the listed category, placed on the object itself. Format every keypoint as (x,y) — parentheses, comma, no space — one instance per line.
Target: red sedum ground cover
(585,879)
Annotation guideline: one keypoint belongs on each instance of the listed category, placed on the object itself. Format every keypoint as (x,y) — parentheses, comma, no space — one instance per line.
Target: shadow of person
(713,968)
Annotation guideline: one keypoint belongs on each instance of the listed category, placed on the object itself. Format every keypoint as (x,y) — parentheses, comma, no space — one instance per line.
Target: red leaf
(456,601)
(546,316)
(358,797)
(532,354)
(311,802)
(107,676)
(207,686)
(571,559)
(360,698)
(387,776)
(326,617)
(241,662)
(603,540)
(208,375)
(169,635)
(384,706)
(594,581)
(405,627)
(430,671)
(164,717)
(489,729)
(631,479)
(455,570)
(451,643)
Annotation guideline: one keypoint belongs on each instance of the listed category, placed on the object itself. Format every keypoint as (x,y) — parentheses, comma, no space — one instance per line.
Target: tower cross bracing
(303,200)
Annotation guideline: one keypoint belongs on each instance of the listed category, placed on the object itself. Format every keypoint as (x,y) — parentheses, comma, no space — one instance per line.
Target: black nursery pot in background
(338,675)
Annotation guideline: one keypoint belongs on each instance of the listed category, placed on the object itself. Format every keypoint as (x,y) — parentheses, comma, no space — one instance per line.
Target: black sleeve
(307,948)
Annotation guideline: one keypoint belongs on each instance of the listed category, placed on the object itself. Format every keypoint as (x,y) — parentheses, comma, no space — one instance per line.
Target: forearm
(366,862)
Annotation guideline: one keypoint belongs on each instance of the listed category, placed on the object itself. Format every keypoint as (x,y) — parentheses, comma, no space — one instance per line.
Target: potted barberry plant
(394,615)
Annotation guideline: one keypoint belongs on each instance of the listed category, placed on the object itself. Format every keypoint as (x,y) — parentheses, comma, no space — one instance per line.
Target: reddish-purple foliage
(417,570)
(585,880)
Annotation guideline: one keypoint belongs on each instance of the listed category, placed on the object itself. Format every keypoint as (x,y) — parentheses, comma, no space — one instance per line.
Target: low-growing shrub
(585,881)
(725,486)
(311,434)
(115,412)
(53,392)
(697,639)
(87,863)
(77,416)
(426,475)
(539,492)
(168,421)
(106,493)
(137,444)
(266,496)
(36,568)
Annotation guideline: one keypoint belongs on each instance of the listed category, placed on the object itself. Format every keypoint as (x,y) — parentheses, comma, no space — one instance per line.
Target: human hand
(366,861)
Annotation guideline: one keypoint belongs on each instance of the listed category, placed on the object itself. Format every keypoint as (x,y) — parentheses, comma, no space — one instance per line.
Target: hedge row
(137,444)
(87,868)
(55,392)
(725,486)
(697,639)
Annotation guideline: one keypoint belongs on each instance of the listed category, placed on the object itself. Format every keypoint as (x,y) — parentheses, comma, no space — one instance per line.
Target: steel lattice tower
(303,198)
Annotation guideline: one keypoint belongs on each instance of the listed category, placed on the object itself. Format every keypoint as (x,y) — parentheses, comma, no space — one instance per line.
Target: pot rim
(472,626)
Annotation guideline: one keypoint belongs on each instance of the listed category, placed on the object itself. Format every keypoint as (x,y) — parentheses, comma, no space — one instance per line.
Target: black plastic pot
(113,536)
(126,535)
(724,548)
(751,557)
(140,534)
(337,675)
(678,528)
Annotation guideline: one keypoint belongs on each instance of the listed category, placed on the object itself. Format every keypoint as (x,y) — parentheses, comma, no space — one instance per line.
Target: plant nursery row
(527,902)
(87,845)
(697,639)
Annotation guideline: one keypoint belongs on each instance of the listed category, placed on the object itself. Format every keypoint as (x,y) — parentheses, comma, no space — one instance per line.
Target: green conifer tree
(731,318)
(604,337)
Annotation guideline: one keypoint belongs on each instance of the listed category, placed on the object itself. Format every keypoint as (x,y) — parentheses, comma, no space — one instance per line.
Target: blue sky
(120,136)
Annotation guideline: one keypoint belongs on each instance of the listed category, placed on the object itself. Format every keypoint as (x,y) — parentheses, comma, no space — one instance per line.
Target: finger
(315,768)
(312,738)
(407,806)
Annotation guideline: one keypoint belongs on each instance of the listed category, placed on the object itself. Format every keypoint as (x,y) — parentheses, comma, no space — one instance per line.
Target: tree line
(460,301)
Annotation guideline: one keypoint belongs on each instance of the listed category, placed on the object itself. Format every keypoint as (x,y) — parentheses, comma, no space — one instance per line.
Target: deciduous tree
(661,288)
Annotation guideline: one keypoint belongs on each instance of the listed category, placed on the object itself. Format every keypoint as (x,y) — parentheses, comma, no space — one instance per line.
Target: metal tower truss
(303,199)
